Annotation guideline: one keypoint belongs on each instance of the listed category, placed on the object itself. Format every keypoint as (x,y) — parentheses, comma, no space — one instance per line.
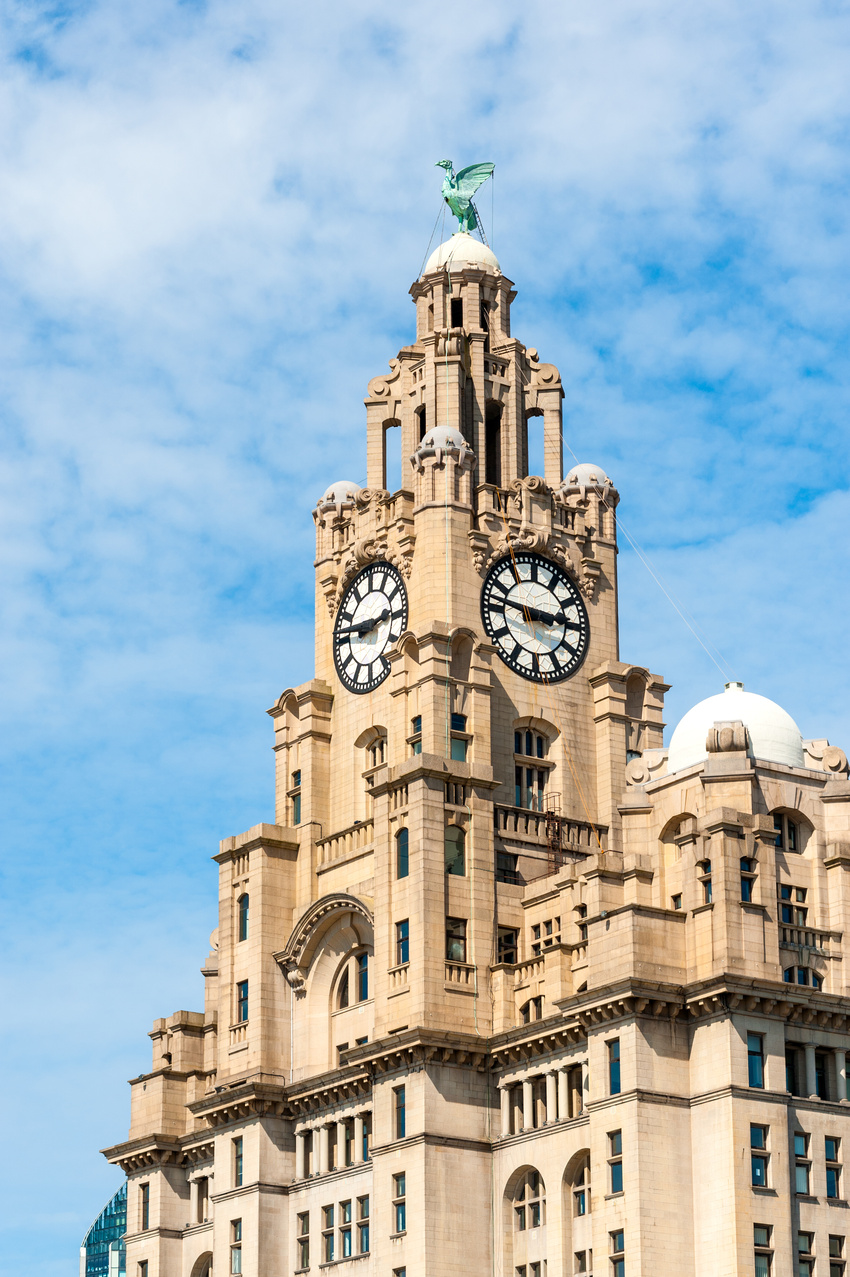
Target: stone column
(358,1137)
(527,1105)
(551,1097)
(811,1076)
(841,1075)
(585,1084)
(340,1143)
(505,1098)
(320,1135)
(563,1095)
(299,1155)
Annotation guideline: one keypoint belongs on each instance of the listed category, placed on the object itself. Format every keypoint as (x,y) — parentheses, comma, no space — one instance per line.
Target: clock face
(536,617)
(371,618)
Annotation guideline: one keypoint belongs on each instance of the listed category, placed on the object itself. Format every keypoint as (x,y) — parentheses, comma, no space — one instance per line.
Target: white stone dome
(462,250)
(774,736)
(445,437)
(340,493)
(587,475)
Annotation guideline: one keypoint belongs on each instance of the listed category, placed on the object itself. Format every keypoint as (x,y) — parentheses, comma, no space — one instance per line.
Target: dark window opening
(493,444)
(457,312)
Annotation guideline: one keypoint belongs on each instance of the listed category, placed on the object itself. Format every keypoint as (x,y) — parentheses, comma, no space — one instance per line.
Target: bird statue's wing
(469,179)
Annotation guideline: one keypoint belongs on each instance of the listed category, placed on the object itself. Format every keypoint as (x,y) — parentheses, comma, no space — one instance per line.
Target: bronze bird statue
(459,190)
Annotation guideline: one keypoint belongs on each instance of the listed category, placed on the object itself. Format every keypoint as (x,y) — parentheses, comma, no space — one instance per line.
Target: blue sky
(211,217)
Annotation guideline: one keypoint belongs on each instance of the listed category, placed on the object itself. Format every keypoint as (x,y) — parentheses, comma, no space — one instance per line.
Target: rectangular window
(676,901)
(614,1067)
(304,1240)
(236,1246)
(455,940)
(802,1165)
(455,856)
(363,977)
(832,1148)
(400,1121)
(618,1246)
(345,1230)
(402,942)
(805,1259)
(836,1255)
(763,1253)
(295,796)
(506,868)
(416,733)
(615,1160)
(402,853)
(508,945)
(142,1268)
(580,1261)
(399,1203)
(328,1234)
(755,1059)
(759,1157)
(363,1225)
(459,747)
(237,1162)
(242,1002)
(144,1207)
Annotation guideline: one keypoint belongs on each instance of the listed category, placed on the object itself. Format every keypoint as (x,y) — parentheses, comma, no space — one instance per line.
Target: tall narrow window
(345,1230)
(304,1240)
(363,1225)
(203,1200)
(402,861)
(363,977)
(615,1160)
(242,930)
(455,940)
(455,852)
(241,1001)
(748,875)
(805,1258)
(237,1162)
(755,1059)
(832,1147)
(399,1111)
(367,1136)
(142,1268)
(836,1255)
(295,797)
(457,312)
(402,942)
(459,743)
(704,869)
(400,1202)
(493,444)
(236,1246)
(802,1164)
(144,1207)
(415,738)
(581,1188)
(343,994)
(763,1251)
(618,1258)
(759,1156)
(507,945)
(328,1234)
(614,1067)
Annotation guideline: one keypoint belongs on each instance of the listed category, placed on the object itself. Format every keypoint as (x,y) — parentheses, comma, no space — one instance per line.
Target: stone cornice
(160,1150)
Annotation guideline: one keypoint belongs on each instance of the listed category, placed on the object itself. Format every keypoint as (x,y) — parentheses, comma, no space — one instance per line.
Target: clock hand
(534,614)
(366,627)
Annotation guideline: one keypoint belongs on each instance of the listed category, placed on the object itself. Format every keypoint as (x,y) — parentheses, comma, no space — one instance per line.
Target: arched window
(353,981)
(402,860)
(343,994)
(635,688)
(529,1203)
(531,1010)
(455,850)
(242,917)
(802,975)
(787,832)
(581,1187)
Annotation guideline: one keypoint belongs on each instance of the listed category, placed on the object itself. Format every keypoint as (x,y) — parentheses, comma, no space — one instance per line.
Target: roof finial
(459,190)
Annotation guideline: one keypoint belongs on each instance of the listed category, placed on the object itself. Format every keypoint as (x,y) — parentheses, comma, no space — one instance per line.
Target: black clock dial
(371,618)
(536,617)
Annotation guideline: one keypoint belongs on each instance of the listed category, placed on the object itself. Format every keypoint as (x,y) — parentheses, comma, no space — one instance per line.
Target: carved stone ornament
(380,387)
(651,764)
(724,737)
(834,759)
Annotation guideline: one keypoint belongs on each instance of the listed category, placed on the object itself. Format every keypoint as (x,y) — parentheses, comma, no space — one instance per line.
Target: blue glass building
(102,1253)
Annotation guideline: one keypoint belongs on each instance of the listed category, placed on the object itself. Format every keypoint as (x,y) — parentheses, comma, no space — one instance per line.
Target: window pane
(762,1268)
(832,1182)
(362,977)
(402,860)
(761,1235)
(801,1181)
(759,1169)
(459,750)
(616,1177)
(454,850)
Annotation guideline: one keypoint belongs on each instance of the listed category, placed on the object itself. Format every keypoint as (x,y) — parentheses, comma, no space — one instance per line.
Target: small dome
(462,250)
(587,475)
(774,736)
(445,437)
(340,493)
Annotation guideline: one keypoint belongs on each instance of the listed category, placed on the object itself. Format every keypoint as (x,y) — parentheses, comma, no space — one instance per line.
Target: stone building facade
(507,988)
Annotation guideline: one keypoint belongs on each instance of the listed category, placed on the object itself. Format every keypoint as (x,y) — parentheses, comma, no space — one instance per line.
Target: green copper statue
(459,190)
